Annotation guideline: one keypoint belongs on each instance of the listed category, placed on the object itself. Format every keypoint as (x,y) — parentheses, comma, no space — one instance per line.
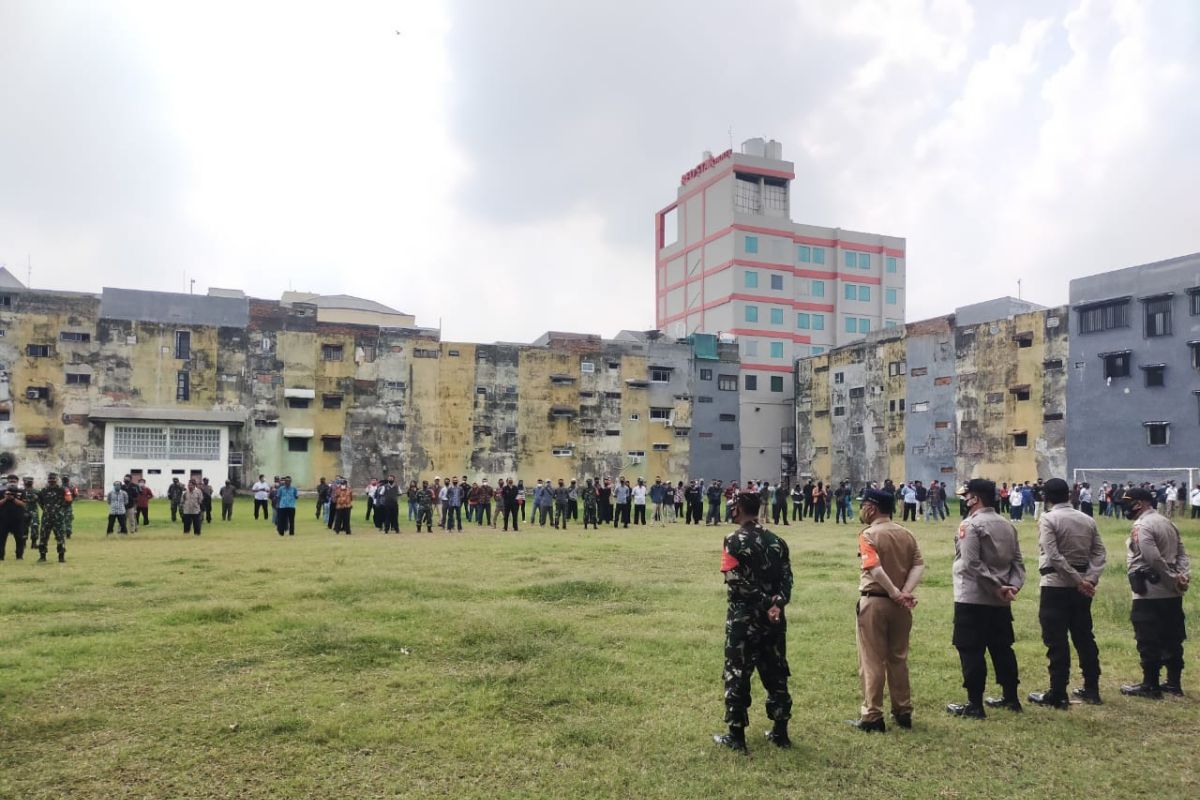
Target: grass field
(490,665)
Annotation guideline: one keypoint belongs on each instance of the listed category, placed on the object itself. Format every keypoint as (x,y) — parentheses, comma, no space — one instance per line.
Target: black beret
(1135,494)
(1056,488)
(984,489)
(884,501)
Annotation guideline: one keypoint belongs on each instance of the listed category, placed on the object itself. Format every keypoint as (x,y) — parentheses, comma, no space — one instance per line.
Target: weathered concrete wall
(930,433)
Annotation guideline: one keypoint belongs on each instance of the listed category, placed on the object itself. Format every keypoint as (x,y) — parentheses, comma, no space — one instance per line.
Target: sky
(494,168)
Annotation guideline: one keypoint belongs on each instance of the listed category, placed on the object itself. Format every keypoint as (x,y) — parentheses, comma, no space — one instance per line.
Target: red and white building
(729,260)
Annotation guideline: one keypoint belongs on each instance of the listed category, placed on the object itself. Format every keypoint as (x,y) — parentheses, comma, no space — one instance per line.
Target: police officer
(891,569)
(1070,563)
(53,502)
(590,502)
(1159,576)
(758,577)
(988,572)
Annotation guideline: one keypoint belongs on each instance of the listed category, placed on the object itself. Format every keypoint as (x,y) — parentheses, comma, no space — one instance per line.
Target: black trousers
(174,510)
(341,520)
(285,521)
(388,517)
(14,527)
(910,512)
(425,517)
(561,511)
(510,511)
(573,507)
(639,514)
(226,509)
(120,518)
(979,628)
(192,523)
(263,505)
(1064,612)
(779,510)
(622,516)
(453,516)
(483,510)
(589,517)
(144,514)
(714,513)
(798,512)
(1159,628)
(819,512)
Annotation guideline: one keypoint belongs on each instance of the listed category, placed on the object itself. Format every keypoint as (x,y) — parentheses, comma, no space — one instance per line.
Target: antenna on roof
(1018,288)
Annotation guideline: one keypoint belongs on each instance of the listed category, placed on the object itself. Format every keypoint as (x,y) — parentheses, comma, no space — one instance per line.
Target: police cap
(1138,494)
(984,489)
(884,501)
(1056,490)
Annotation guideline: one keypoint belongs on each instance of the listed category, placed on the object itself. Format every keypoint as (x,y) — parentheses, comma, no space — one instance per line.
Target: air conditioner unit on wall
(32,394)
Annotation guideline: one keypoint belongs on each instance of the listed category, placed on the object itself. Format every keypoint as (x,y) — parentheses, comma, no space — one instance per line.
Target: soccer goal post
(1137,475)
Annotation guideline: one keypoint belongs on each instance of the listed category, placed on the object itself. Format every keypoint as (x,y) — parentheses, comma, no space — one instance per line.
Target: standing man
(53,502)
(206,489)
(323,498)
(228,493)
(387,504)
(910,502)
(622,495)
(590,503)
(693,501)
(604,501)
(573,499)
(192,507)
(143,502)
(455,493)
(638,497)
(758,579)
(262,493)
(423,500)
(117,499)
(658,493)
(343,507)
(510,493)
(714,495)
(175,496)
(285,504)
(12,517)
(988,572)
(131,514)
(562,504)
(1159,575)
(892,567)
(1071,561)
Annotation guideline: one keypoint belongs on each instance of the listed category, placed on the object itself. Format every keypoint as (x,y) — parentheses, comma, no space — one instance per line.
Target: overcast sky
(496,165)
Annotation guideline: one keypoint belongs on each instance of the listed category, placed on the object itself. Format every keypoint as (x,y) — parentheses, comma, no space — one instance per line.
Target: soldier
(891,569)
(988,572)
(590,505)
(12,517)
(1071,562)
(423,500)
(69,494)
(758,577)
(1159,575)
(53,502)
(32,529)
(175,496)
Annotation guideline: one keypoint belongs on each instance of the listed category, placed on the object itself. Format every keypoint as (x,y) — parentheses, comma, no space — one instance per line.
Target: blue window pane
(776,316)
(851,259)
(891,264)
(804,254)
(818,288)
(864,260)
(864,293)
(850,291)
(802,321)
(751,313)
(751,280)
(864,325)
(891,297)
(891,323)
(851,325)
(776,349)
(751,244)
(816,351)
(818,322)
(777,282)
(818,255)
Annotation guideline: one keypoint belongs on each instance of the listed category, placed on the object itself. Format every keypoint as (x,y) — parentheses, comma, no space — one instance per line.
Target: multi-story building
(979,393)
(730,261)
(1133,384)
(166,385)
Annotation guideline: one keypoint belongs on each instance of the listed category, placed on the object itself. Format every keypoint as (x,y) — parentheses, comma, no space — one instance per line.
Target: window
(183,345)
(78,378)
(728,418)
(917,372)
(776,349)
(394,385)
(613,366)
(37,350)
(776,383)
(681,433)
(864,294)
(891,264)
(804,254)
(5,301)
(727,383)
(1116,365)
(850,291)
(1157,433)
(816,351)
(612,395)
(183,386)
(750,244)
(612,432)
(918,408)
(420,352)
(203,444)
(1052,416)
(331,444)
(634,418)
(1022,393)
(587,367)
(818,322)
(851,325)
(839,411)
(1024,340)
(130,442)
(335,400)
(818,288)
(706,399)
(945,380)
(896,368)
(751,383)
(890,323)
(661,446)
(331,352)
(751,347)
(660,413)
(942,425)
(1158,316)
(297,444)
(864,325)
(776,316)
(726,447)
(751,313)
(894,405)
(777,282)
(803,321)
(864,260)
(587,395)
(706,374)
(452,353)
(1020,439)
(35,441)
(818,254)
(260,422)
(1054,363)
(750,279)
(1194,302)
(858,392)
(850,259)
(890,296)
(481,390)
(839,377)
(1104,316)
(74,336)
(298,402)
(1156,375)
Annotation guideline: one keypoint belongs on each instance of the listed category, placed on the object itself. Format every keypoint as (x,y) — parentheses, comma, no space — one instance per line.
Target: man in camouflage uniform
(53,502)
(424,503)
(591,504)
(32,517)
(69,494)
(758,577)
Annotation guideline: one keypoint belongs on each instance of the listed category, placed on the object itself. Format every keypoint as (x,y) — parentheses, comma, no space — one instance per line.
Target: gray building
(930,435)
(1132,386)
(715,442)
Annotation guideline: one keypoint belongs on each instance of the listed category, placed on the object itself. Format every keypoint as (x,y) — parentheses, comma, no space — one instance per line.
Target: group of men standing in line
(988,574)
(31,515)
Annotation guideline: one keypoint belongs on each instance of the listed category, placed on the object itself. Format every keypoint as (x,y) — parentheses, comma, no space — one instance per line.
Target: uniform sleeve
(1016,571)
(1048,542)
(784,596)
(728,560)
(866,552)
(1097,558)
(1150,552)
(1182,563)
(974,567)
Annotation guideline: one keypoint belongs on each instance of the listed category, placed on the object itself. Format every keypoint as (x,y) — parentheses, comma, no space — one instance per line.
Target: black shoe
(903,720)
(42,557)
(1012,704)
(969,710)
(1172,689)
(62,558)
(1142,690)
(736,744)
(780,739)
(1050,699)
(1089,696)
(875,726)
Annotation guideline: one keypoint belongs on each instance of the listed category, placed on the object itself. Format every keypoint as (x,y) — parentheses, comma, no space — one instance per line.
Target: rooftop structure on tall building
(730,261)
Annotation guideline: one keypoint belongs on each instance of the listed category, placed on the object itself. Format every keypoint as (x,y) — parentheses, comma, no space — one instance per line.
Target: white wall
(116,469)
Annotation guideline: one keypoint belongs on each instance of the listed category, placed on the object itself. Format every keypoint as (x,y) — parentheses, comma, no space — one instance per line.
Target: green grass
(490,665)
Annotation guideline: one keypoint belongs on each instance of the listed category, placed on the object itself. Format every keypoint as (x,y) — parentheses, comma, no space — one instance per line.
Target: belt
(874,594)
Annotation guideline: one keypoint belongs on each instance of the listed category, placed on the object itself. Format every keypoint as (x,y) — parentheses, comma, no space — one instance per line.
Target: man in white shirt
(910,502)
(1196,502)
(262,492)
(639,502)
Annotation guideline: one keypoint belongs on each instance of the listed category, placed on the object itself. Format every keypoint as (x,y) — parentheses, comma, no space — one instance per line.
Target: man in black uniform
(758,577)
(12,517)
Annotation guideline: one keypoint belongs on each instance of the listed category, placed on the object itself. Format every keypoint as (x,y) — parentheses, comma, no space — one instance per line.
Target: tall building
(1133,386)
(730,261)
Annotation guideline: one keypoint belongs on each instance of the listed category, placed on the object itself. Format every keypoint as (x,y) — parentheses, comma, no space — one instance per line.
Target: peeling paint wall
(930,435)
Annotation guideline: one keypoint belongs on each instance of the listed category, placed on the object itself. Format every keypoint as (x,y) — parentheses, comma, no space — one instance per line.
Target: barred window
(147,443)
(203,444)
(1104,316)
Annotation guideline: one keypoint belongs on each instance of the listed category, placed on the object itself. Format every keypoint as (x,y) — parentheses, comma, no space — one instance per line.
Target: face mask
(862,516)
(1129,512)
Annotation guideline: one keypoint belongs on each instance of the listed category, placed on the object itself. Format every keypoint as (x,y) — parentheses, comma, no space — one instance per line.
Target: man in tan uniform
(891,569)
(1071,562)
(1159,575)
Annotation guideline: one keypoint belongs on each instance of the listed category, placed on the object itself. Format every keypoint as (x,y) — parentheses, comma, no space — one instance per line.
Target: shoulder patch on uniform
(728,562)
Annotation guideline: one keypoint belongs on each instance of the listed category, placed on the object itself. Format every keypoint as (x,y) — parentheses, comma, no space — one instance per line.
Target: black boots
(735,740)
(1009,701)
(970,710)
(778,735)
(1148,691)
(1089,695)
(1053,698)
